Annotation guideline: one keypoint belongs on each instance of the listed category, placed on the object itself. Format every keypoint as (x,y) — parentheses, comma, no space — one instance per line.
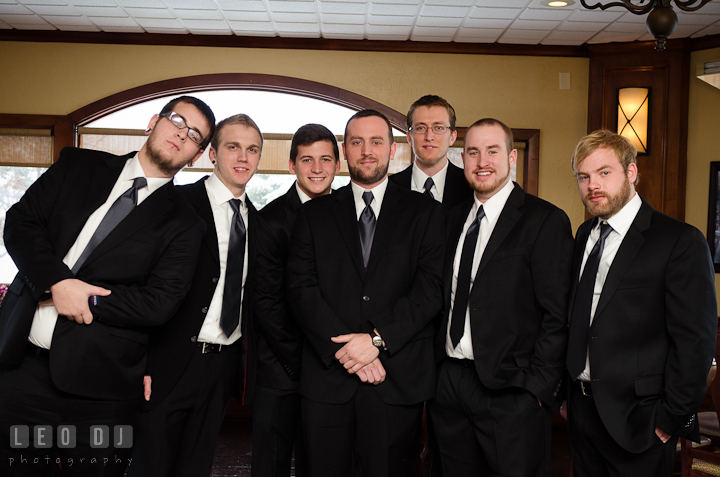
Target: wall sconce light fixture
(633,116)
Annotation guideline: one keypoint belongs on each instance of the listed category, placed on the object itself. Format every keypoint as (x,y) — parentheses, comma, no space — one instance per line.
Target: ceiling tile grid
(472,21)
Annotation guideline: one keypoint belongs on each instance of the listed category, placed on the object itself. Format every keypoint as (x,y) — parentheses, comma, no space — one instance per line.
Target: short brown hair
(604,139)
(432,100)
(494,122)
(202,107)
(368,113)
(242,119)
(310,134)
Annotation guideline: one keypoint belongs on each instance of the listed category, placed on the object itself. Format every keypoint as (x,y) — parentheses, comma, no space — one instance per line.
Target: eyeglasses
(179,122)
(422,129)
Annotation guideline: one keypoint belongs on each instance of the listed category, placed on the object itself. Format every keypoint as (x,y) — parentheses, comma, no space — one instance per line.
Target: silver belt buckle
(585,392)
(206,344)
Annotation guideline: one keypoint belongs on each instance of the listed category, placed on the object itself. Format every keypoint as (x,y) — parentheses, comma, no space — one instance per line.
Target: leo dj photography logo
(66,437)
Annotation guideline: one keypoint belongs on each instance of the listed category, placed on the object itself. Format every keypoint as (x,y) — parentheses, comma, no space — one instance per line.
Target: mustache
(595,194)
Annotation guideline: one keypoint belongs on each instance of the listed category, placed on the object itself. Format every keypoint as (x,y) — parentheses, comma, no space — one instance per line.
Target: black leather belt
(585,388)
(206,348)
(37,351)
(465,363)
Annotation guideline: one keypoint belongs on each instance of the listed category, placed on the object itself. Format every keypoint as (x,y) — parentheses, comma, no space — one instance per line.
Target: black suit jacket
(456,190)
(399,293)
(518,302)
(173,344)
(147,262)
(279,340)
(653,334)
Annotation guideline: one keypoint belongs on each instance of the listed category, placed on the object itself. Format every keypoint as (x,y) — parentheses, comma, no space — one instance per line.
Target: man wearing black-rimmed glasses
(105,247)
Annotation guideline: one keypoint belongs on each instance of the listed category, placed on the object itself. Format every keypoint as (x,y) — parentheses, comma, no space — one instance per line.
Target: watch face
(377,341)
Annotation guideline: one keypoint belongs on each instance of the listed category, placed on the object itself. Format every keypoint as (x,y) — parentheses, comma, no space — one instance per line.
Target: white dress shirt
(220,197)
(303,196)
(620,223)
(378,194)
(43,324)
(419,177)
(493,208)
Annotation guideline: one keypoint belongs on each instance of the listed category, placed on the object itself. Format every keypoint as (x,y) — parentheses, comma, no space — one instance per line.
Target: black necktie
(580,324)
(115,214)
(366,224)
(462,290)
(428,185)
(232,293)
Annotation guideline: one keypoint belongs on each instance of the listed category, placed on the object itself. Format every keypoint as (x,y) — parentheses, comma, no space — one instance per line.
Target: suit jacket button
(194,339)
(215,279)
(366,298)
(204,310)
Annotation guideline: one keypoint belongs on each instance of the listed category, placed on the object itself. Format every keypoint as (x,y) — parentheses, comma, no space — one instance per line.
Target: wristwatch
(377,341)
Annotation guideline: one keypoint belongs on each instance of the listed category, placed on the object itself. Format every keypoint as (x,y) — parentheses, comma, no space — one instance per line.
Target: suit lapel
(343,209)
(390,211)
(583,234)
(626,253)
(201,204)
(508,217)
(292,204)
(453,231)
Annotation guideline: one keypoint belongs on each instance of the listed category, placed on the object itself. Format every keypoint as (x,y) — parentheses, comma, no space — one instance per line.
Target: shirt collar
(378,192)
(494,205)
(419,177)
(303,196)
(133,170)
(219,193)
(623,219)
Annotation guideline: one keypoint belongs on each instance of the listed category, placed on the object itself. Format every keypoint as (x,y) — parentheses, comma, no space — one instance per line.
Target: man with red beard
(504,331)
(364,282)
(642,321)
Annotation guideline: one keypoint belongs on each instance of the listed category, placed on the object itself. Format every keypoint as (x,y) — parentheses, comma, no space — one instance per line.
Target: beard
(613,204)
(156,157)
(429,162)
(362,176)
(485,188)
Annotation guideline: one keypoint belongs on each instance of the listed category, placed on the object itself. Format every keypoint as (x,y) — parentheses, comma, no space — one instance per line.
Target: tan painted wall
(703,144)
(56,78)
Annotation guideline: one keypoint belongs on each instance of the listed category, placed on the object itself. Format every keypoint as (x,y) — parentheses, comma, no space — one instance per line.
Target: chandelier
(662,20)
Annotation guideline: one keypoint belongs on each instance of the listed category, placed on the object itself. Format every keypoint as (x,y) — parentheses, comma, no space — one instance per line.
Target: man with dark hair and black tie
(106,248)
(206,352)
(314,160)
(643,322)
(431,132)
(364,281)
(504,331)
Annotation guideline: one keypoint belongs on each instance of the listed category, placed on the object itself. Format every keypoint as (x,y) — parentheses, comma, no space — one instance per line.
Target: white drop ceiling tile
(709,30)
(295,34)
(343,8)
(709,8)
(67,20)
(4,26)
(581,26)
(343,36)
(444,11)
(294,17)
(392,30)
(450,3)
(255,33)
(206,24)
(482,23)
(391,20)
(434,31)
(150,13)
(684,31)
(169,31)
(607,16)
(135,29)
(32,26)
(561,42)
(381,37)
(6,9)
(246,16)
(141,3)
(434,39)
(476,40)
(646,37)
(580,36)
(468,34)
(102,11)
(518,41)
(630,17)
(396,2)
(292,7)
(240,26)
(626,28)
(198,14)
(45,2)
(297,27)
(545,14)
(388,9)
(161,23)
(241,5)
(534,25)
(504,3)
(54,10)
(530,35)
(78,28)
(92,3)
(703,19)
(200,31)
(609,36)
(439,22)
(192,4)
(114,22)
(329,18)
(499,13)
(23,20)
(335,28)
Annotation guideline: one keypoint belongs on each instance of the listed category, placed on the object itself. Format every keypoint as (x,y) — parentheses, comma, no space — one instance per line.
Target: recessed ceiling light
(557,3)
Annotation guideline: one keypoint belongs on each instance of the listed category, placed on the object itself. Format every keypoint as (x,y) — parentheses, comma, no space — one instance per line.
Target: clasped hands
(70,299)
(359,356)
